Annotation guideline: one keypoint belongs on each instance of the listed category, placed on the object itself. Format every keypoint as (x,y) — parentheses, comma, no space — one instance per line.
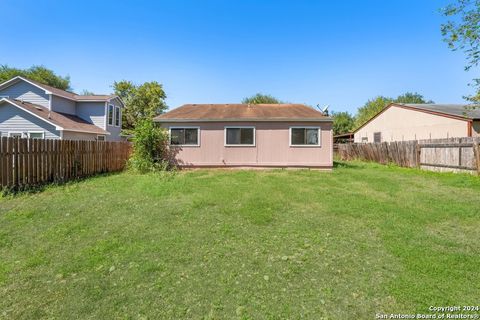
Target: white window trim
(319,144)
(42,132)
(184,145)
(239,145)
(101,135)
(14,132)
(113,115)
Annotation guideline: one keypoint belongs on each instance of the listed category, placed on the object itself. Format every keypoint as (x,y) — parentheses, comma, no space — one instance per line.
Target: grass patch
(217,244)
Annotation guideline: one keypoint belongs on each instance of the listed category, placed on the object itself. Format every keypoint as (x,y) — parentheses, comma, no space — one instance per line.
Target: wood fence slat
(29,162)
(3,161)
(454,154)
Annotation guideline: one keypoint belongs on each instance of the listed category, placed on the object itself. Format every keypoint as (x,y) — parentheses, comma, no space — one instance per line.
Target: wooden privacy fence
(457,154)
(30,162)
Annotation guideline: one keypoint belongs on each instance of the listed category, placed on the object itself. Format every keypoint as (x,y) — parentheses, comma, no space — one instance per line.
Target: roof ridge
(71,94)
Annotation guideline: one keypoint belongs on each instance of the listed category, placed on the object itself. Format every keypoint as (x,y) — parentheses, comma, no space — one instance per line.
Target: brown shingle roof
(66,121)
(242,112)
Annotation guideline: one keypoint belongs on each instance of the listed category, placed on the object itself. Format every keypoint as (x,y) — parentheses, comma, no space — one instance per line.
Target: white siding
(25,91)
(63,105)
(15,119)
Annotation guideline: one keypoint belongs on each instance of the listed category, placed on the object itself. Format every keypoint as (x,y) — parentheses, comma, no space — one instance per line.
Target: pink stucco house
(244,135)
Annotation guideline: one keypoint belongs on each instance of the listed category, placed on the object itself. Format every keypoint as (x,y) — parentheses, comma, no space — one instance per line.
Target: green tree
(462,32)
(371,108)
(150,151)
(375,105)
(36,73)
(261,98)
(410,97)
(343,122)
(142,102)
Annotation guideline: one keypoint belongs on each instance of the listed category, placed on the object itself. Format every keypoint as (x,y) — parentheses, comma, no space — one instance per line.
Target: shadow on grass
(345,164)
(29,189)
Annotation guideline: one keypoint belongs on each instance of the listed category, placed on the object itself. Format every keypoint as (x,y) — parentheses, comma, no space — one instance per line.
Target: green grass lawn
(218,244)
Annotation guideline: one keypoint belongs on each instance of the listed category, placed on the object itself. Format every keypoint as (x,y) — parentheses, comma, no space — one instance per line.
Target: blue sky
(339,53)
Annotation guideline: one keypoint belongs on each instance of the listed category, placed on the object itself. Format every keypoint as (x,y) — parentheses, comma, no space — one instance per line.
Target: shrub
(150,150)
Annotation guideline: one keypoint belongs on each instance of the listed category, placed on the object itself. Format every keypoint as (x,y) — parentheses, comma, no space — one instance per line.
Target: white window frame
(108,115)
(42,132)
(101,135)
(183,145)
(115,116)
(319,144)
(239,145)
(16,132)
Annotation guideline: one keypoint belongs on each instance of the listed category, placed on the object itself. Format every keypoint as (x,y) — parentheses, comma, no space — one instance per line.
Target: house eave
(83,131)
(161,120)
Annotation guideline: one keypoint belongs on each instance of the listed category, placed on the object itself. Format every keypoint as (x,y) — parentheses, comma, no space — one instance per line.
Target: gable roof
(61,93)
(61,121)
(466,112)
(242,112)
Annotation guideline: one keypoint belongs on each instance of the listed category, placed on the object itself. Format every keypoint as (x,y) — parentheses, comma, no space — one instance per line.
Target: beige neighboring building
(403,122)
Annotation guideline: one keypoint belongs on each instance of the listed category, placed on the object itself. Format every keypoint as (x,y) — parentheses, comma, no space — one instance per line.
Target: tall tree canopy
(375,105)
(371,108)
(261,98)
(343,122)
(410,97)
(462,32)
(36,73)
(142,102)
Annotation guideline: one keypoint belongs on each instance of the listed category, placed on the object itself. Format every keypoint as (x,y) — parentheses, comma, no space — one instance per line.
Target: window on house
(117,116)
(307,136)
(15,134)
(364,139)
(377,137)
(100,138)
(184,136)
(110,114)
(239,136)
(36,135)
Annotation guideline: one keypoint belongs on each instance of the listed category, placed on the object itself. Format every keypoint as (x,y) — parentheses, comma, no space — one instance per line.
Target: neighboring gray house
(35,110)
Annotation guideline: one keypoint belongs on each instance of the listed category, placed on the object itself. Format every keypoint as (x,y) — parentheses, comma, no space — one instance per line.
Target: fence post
(418,154)
(476,152)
